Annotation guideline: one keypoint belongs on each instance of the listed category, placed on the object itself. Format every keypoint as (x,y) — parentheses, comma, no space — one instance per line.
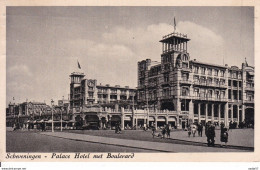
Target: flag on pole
(79,65)
(174,24)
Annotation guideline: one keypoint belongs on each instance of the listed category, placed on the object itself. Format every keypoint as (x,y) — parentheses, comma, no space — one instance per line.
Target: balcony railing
(185,81)
(249,101)
(249,88)
(186,69)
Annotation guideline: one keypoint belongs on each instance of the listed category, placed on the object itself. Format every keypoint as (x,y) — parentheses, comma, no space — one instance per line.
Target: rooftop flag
(174,24)
(79,65)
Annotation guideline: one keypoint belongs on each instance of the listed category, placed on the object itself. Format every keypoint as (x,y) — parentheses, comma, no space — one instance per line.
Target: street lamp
(61,119)
(52,127)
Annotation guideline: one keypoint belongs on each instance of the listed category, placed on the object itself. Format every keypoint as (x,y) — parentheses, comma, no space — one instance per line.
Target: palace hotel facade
(203,92)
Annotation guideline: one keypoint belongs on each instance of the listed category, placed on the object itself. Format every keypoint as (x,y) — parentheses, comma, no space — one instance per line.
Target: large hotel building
(176,91)
(197,91)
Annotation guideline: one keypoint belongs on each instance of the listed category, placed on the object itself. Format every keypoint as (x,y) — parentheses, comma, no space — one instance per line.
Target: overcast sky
(44,43)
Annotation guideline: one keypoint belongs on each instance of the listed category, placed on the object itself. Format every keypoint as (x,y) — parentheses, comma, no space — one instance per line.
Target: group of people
(209,132)
(166,130)
(117,128)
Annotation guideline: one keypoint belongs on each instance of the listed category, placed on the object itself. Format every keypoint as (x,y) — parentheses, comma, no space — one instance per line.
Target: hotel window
(90,95)
(222,82)
(185,76)
(166,92)
(209,81)
(166,77)
(239,95)
(196,79)
(229,93)
(222,73)
(229,82)
(216,73)
(240,83)
(217,94)
(203,69)
(222,94)
(216,81)
(196,92)
(234,83)
(239,76)
(209,93)
(229,74)
(203,80)
(196,69)
(184,65)
(185,91)
(202,93)
(235,75)
(209,71)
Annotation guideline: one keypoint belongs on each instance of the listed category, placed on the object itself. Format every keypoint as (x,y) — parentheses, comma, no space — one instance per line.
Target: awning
(127,118)
(251,73)
(151,118)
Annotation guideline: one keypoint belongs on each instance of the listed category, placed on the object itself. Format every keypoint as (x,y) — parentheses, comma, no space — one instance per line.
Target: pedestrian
(163,132)
(14,127)
(189,131)
(168,131)
(116,128)
(224,137)
(200,129)
(153,130)
(211,135)
(193,130)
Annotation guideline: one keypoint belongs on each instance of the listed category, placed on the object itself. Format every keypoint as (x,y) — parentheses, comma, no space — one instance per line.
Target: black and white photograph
(130,79)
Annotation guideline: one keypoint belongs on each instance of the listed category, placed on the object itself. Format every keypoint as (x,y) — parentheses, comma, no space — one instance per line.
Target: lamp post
(61,119)
(52,127)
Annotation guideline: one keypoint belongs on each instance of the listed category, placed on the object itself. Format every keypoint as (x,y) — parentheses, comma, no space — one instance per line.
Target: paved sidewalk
(237,137)
(152,146)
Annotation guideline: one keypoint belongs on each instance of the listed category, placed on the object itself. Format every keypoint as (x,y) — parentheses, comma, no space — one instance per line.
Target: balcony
(166,97)
(113,93)
(202,116)
(247,88)
(90,98)
(249,101)
(123,93)
(152,84)
(185,96)
(209,84)
(183,81)
(186,69)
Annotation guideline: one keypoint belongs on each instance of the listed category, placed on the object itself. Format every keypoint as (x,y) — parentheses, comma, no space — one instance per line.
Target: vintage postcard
(129,81)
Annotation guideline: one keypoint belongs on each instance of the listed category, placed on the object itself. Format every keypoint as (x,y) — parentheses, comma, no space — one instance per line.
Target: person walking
(224,137)
(189,131)
(211,135)
(168,131)
(193,130)
(200,129)
(153,130)
(163,132)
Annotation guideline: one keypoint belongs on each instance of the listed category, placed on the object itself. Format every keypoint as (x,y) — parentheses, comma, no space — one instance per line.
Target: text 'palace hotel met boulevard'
(176,91)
